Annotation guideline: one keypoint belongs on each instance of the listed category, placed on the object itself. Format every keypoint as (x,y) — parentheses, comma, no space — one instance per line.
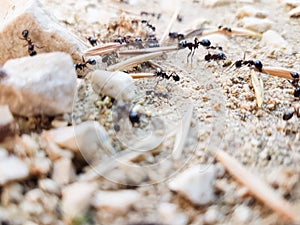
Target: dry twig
(148,50)
(128,63)
(257,187)
(258,88)
(166,33)
(277,71)
(102,50)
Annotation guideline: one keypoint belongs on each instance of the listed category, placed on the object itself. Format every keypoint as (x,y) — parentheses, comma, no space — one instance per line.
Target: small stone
(6,122)
(242,215)
(76,200)
(87,139)
(273,40)
(250,11)
(118,85)
(170,214)
(44,31)
(40,165)
(12,168)
(63,171)
(256,24)
(116,202)
(214,3)
(49,186)
(212,215)
(54,152)
(3,153)
(295,12)
(47,84)
(11,193)
(196,183)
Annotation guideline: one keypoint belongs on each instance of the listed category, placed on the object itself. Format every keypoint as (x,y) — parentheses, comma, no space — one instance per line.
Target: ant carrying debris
(25,35)
(256,63)
(93,41)
(215,57)
(295,84)
(164,75)
(290,113)
(193,45)
(153,28)
(83,64)
(175,35)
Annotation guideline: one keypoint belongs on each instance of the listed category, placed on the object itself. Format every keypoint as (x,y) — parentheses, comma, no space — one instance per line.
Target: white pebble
(117,202)
(49,186)
(170,214)
(256,24)
(46,82)
(118,85)
(211,216)
(63,171)
(214,3)
(12,168)
(242,215)
(250,11)
(76,199)
(274,41)
(196,183)
(87,138)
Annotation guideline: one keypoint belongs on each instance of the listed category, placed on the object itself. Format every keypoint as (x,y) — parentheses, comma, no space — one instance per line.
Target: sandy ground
(258,138)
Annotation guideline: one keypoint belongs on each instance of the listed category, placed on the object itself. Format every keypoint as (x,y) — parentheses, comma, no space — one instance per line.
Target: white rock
(3,153)
(44,31)
(274,41)
(118,85)
(256,24)
(241,215)
(293,3)
(211,216)
(196,183)
(54,152)
(87,138)
(117,202)
(76,199)
(170,214)
(49,186)
(250,11)
(63,171)
(6,121)
(40,165)
(12,168)
(11,193)
(46,82)
(214,3)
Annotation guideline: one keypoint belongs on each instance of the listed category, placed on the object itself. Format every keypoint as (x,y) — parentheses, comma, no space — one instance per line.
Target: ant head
(295,75)
(180,36)
(207,57)
(205,42)
(138,40)
(134,117)
(32,52)
(182,44)
(175,77)
(158,71)
(91,61)
(297,92)
(25,34)
(288,115)
(258,65)
(222,56)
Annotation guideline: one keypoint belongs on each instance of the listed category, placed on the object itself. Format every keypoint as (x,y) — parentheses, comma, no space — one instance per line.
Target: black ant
(82,65)
(295,84)
(224,28)
(134,118)
(152,41)
(179,18)
(93,41)
(290,113)
(31,51)
(193,45)
(164,75)
(149,25)
(256,63)
(215,57)
(175,35)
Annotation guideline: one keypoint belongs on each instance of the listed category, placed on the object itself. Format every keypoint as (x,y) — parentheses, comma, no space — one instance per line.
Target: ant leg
(193,55)
(187,58)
